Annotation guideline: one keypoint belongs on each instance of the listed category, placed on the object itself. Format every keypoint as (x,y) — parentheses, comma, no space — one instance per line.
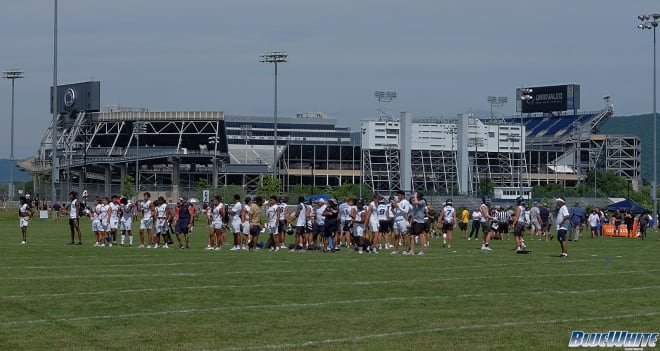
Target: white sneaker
(235,248)
(218,248)
(141,246)
(102,245)
(486,248)
(421,253)
(155,246)
(277,249)
(360,251)
(449,246)
(209,247)
(243,247)
(405,253)
(148,246)
(166,246)
(469,238)
(109,244)
(394,252)
(282,246)
(271,249)
(23,242)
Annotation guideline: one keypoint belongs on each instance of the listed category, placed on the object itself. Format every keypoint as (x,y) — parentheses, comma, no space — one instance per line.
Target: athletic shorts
(300,230)
(246,228)
(417,228)
(236,227)
(146,223)
(281,225)
(545,227)
(22,222)
(462,226)
(273,229)
(161,226)
(518,230)
(73,222)
(255,229)
(486,227)
(125,224)
(373,226)
(561,235)
(96,226)
(400,226)
(346,225)
(536,226)
(385,226)
(114,223)
(181,227)
(217,225)
(318,229)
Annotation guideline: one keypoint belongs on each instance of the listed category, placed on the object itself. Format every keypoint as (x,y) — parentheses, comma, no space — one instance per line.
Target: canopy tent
(317,197)
(627,205)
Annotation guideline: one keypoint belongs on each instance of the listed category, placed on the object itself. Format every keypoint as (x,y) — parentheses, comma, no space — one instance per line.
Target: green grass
(60,297)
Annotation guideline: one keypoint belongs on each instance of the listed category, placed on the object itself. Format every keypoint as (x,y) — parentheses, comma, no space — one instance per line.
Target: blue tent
(627,205)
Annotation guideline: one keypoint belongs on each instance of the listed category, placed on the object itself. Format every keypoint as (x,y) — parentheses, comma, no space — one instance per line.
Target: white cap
(321,201)
(560,199)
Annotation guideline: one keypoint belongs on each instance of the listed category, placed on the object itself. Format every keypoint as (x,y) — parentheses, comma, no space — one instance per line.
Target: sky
(441,57)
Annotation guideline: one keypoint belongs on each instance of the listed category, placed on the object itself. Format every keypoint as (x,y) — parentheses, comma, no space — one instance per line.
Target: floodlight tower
(525,97)
(384,99)
(275,57)
(496,101)
(651,22)
(12,74)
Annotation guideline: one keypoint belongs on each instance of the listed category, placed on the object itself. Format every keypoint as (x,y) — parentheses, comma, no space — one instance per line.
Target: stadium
(168,152)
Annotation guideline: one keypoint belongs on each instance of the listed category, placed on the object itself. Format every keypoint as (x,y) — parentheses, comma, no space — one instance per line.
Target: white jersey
(247,213)
(114,215)
(73,211)
(448,214)
(320,218)
(345,212)
(161,211)
(283,207)
(272,215)
(373,219)
(127,211)
(216,214)
(401,212)
(382,212)
(103,216)
(146,209)
(302,215)
(235,212)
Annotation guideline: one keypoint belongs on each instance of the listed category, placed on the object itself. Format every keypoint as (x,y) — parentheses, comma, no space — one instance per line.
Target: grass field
(60,297)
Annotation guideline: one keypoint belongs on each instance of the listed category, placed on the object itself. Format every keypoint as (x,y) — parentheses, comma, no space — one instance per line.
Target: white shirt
(160,211)
(381,212)
(345,212)
(236,212)
(302,215)
(115,211)
(73,211)
(272,215)
(476,215)
(448,214)
(563,212)
(283,207)
(320,218)
(594,219)
(401,213)
(127,210)
(216,214)
(146,209)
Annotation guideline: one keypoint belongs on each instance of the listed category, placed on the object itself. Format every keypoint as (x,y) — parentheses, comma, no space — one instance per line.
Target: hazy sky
(442,57)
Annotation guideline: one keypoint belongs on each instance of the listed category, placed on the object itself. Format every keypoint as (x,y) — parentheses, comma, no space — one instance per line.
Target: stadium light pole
(496,101)
(138,128)
(651,22)
(54,170)
(274,57)
(12,74)
(525,97)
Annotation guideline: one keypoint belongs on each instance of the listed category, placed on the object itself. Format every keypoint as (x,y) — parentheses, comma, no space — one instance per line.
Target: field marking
(103,276)
(311,343)
(309,304)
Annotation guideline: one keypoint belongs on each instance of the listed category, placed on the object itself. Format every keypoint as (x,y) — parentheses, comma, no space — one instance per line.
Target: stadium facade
(97,149)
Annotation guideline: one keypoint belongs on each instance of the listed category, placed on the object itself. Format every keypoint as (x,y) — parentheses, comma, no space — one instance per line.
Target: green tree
(486,186)
(128,187)
(201,185)
(269,186)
